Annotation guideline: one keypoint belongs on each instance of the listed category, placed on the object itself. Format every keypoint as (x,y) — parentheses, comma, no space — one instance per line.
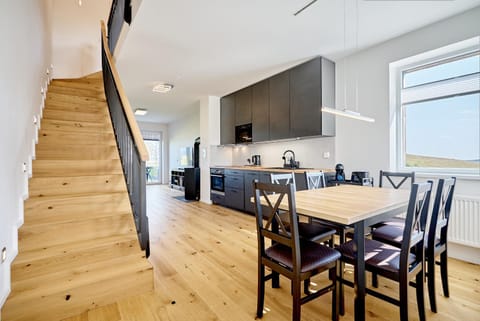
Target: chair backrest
(414,231)
(283,179)
(396,179)
(273,227)
(441,212)
(315,180)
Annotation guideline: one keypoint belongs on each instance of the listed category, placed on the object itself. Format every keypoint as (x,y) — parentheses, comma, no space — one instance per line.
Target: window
(437,102)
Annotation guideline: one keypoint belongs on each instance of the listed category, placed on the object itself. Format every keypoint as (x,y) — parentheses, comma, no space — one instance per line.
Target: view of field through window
(443,131)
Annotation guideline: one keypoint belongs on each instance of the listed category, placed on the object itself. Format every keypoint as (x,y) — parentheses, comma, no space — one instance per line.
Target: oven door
(217,183)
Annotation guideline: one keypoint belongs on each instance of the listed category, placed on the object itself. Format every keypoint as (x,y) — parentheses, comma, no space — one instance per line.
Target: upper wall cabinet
(227,120)
(286,105)
(260,108)
(243,106)
(279,105)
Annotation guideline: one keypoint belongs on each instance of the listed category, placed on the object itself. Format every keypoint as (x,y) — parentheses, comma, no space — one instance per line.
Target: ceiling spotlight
(141,111)
(162,88)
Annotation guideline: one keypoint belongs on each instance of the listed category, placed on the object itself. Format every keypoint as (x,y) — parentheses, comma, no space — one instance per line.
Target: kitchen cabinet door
(243,106)
(305,99)
(227,119)
(249,177)
(260,116)
(279,111)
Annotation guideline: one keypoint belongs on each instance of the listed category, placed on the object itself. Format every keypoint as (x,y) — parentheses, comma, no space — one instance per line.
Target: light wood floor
(204,258)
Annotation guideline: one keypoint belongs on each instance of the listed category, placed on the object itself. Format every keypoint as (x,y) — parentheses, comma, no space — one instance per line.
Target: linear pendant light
(345,112)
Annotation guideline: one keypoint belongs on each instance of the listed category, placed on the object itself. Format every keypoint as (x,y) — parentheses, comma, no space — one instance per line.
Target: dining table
(348,206)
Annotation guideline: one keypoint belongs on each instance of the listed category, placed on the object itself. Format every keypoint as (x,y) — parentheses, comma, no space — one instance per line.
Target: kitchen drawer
(217,199)
(234,198)
(234,181)
(234,172)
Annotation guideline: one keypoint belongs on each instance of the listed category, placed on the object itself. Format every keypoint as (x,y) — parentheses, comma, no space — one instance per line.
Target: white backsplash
(309,152)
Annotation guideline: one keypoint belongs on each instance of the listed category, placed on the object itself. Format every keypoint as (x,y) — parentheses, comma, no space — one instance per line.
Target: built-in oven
(217,181)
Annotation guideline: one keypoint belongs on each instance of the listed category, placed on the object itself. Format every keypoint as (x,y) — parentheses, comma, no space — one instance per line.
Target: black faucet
(293,163)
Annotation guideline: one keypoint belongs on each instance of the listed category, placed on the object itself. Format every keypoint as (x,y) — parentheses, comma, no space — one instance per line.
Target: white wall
(76,49)
(24,59)
(162,128)
(182,133)
(309,152)
(361,145)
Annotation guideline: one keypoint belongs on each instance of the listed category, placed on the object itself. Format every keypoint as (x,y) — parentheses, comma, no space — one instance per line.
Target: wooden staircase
(78,247)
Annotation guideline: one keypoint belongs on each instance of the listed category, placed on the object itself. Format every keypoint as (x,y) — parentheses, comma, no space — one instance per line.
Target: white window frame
(397,130)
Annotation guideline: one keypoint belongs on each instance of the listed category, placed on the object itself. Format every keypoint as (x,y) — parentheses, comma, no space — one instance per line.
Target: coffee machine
(256,160)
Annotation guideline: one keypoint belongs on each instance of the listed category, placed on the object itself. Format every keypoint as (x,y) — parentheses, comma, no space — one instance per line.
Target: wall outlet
(4,254)
(326,154)
(24,167)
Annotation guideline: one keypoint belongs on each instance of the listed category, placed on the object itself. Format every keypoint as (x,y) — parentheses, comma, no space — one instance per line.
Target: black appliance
(357,178)
(243,134)
(217,181)
(196,153)
(191,181)
(256,160)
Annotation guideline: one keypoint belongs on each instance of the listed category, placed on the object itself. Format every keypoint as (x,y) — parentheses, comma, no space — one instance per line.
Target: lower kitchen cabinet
(239,188)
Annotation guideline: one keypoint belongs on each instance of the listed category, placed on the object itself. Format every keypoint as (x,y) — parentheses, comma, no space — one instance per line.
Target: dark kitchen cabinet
(249,177)
(243,106)
(279,106)
(227,119)
(234,189)
(311,87)
(260,114)
(305,107)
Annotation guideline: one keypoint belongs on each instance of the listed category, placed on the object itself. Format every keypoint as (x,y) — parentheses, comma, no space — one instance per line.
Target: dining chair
(396,179)
(308,230)
(397,264)
(436,244)
(315,180)
(295,258)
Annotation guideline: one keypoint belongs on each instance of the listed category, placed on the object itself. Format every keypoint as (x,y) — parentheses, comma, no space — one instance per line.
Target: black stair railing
(133,153)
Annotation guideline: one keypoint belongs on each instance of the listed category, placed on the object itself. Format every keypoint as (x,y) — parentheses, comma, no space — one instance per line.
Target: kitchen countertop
(275,169)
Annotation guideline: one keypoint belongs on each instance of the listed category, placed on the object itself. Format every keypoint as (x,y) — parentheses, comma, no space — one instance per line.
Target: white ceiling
(214,47)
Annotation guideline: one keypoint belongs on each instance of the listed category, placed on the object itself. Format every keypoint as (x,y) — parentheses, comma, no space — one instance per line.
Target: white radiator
(464,225)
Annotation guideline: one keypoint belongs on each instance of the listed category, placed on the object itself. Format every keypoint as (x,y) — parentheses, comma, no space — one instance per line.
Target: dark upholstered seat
(380,257)
(312,256)
(294,257)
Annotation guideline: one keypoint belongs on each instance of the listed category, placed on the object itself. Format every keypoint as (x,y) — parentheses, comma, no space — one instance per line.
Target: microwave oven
(243,134)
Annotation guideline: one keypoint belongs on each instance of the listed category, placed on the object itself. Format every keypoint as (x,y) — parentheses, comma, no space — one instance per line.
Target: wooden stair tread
(60,168)
(72,248)
(71,208)
(56,264)
(45,235)
(76,152)
(80,185)
(100,116)
(79,92)
(90,84)
(58,137)
(98,107)
(68,97)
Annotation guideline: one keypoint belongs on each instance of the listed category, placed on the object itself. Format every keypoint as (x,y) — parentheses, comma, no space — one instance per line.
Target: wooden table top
(348,204)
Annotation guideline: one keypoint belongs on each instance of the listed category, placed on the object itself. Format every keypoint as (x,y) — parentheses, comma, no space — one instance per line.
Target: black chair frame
(274,229)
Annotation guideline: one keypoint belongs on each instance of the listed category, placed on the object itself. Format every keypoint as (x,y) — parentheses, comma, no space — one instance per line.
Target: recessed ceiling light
(162,88)
(141,112)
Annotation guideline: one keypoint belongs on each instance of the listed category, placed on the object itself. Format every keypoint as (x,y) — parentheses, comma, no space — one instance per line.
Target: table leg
(359,273)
